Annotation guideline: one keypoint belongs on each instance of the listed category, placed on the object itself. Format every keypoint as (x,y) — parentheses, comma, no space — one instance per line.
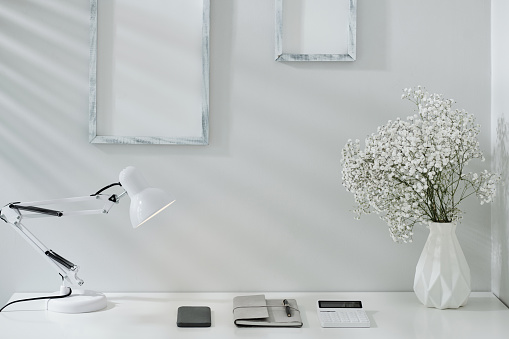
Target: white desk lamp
(146,202)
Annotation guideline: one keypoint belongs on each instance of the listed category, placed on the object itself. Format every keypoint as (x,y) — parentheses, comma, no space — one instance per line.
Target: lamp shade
(146,201)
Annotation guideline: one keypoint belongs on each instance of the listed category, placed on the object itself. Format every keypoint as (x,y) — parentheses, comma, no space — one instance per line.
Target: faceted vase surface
(442,275)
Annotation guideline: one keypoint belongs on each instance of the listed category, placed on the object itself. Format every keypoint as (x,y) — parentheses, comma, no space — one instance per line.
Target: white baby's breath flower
(412,171)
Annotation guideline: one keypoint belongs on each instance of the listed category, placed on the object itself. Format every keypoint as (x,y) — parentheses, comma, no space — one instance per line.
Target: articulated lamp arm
(13,214)
(146,202)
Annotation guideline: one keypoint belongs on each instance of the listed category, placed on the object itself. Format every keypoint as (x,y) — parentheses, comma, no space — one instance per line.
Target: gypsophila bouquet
(413,171)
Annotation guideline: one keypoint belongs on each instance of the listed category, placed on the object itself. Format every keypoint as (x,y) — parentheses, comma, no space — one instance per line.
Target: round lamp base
(80,301)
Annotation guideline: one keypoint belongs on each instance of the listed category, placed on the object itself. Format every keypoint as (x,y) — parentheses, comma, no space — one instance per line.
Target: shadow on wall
(500,217)
(43,72)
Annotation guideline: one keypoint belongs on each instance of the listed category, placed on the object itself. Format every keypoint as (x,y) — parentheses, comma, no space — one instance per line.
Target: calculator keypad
(343,318)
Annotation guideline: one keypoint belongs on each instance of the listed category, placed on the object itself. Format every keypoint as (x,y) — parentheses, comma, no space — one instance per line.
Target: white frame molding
(113,139)
(351,44)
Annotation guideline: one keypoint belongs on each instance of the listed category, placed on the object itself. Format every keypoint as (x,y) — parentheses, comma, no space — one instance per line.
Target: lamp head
(146,201)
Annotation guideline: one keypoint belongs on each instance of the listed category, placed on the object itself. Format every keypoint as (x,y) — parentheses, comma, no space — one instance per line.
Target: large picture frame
(122,98)
(294,37)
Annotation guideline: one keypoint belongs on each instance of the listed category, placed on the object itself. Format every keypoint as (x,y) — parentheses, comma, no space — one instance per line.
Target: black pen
(287,307)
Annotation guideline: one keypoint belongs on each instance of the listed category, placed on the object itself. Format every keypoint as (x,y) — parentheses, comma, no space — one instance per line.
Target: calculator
(338,313)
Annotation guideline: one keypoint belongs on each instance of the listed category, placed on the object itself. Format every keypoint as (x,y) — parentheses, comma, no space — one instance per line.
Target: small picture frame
(315,30)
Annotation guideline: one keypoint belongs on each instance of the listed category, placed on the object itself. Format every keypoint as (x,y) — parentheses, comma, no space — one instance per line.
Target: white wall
(262,207)
(500,144)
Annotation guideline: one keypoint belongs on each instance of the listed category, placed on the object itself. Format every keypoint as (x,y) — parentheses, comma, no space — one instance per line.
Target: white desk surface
(393,315)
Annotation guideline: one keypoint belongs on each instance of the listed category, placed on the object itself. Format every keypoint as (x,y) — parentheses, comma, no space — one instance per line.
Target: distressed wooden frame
(280,55)
(114,139)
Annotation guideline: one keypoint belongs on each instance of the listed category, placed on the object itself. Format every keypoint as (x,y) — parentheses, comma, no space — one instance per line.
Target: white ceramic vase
(442,275)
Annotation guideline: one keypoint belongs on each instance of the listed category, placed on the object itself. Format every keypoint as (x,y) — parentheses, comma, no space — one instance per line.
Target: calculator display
(339,304)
